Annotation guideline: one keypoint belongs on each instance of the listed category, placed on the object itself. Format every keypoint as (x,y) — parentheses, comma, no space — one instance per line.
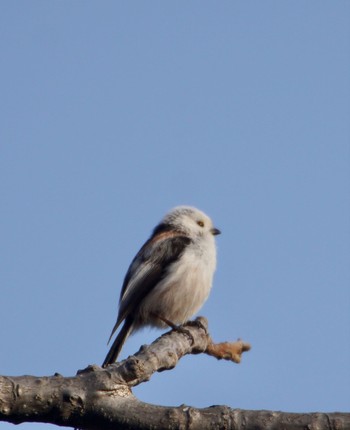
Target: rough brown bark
(102,398)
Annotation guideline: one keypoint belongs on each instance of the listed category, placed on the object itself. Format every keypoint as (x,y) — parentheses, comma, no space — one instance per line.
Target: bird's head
(191,221)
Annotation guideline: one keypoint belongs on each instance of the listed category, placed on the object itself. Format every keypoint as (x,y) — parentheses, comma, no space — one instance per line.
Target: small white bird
(170,277)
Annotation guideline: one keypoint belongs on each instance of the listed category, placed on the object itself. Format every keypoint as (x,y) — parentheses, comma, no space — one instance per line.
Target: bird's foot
(199,322)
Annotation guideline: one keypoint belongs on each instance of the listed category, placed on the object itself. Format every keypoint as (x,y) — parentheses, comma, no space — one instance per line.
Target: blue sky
(114,112)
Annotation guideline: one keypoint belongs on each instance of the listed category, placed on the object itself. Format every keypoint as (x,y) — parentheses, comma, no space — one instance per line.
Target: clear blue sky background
(114,112)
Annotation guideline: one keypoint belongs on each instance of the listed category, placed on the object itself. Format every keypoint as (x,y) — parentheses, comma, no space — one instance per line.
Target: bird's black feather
(155,257)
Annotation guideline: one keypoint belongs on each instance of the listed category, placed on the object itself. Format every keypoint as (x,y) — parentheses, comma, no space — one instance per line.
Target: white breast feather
(186,286)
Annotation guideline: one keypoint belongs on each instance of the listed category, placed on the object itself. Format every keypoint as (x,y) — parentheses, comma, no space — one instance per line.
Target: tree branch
(102,398)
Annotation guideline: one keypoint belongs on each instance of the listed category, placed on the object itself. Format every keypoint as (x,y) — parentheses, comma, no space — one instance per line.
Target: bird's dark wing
(148,268)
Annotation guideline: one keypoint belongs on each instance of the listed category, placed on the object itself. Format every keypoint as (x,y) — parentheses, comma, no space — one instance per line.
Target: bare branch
(102,398)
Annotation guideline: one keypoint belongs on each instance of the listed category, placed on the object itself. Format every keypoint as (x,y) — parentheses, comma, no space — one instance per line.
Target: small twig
(231,351)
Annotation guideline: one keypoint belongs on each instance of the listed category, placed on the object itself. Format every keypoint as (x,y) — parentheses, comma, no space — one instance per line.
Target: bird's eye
(200,223)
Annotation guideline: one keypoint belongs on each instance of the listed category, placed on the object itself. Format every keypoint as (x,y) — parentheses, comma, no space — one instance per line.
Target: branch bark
(102,398)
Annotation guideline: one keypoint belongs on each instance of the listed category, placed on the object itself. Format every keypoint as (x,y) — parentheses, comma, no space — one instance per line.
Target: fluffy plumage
(170,277)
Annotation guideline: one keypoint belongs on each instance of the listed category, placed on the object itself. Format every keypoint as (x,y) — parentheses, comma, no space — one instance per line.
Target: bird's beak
(215,231)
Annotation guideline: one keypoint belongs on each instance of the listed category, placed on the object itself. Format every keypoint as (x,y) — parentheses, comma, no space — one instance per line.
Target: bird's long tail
(118,342)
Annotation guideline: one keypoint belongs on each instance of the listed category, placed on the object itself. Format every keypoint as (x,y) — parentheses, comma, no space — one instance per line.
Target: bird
(170,277)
